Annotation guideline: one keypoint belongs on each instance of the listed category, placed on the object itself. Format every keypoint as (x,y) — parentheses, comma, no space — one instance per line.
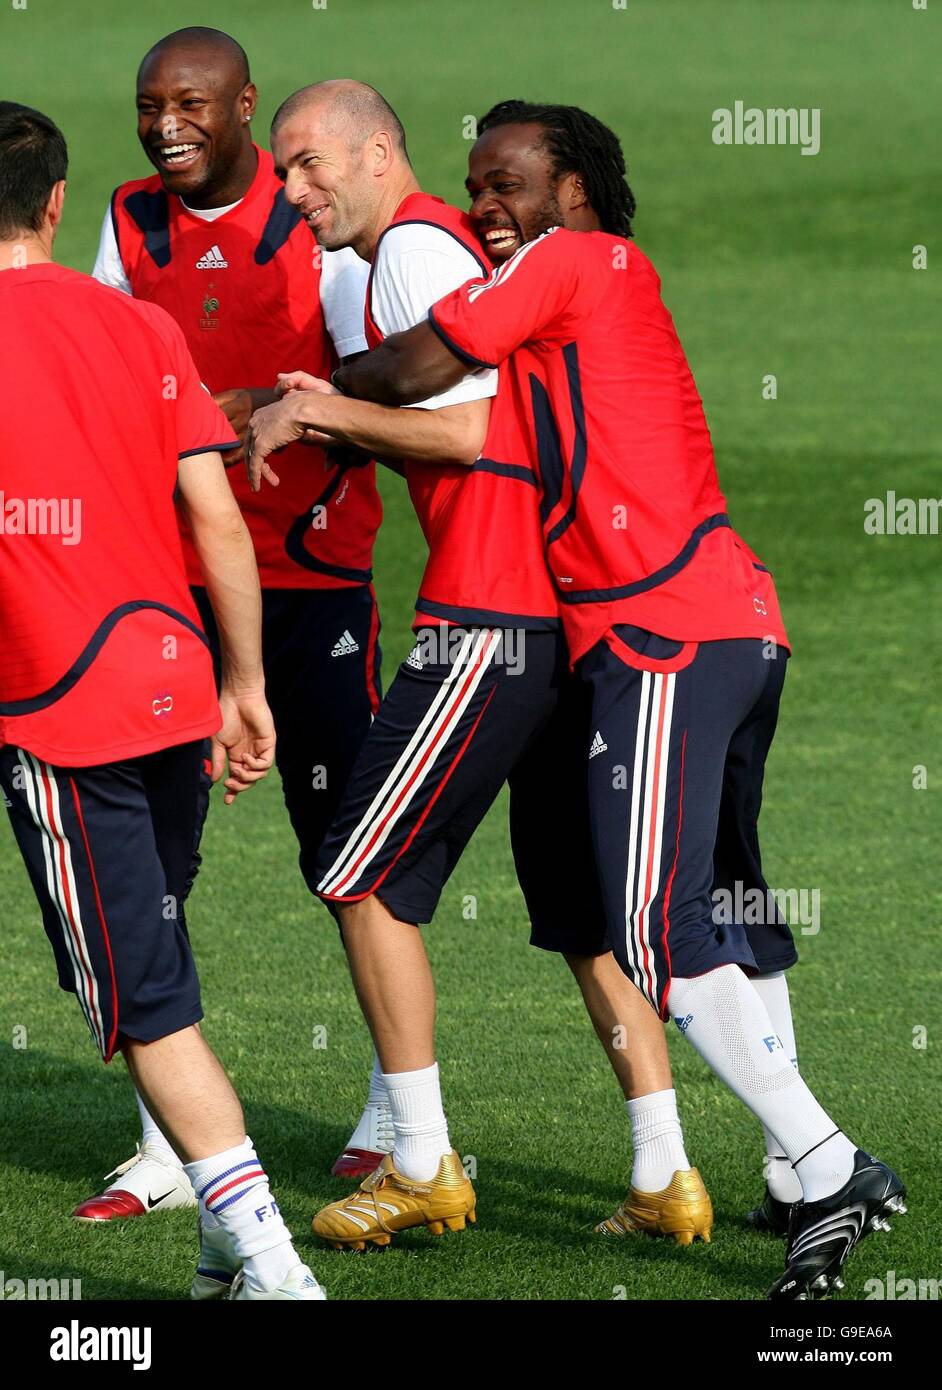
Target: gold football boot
(387,1202)
(682,1210)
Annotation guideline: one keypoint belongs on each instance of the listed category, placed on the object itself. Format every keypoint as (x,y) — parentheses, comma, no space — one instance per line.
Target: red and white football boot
(369,1143)
(150,1181)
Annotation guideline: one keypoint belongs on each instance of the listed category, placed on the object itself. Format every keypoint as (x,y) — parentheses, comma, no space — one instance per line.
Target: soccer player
(461,716)
(107,696)
(675,627)
(574,140)
(210,238)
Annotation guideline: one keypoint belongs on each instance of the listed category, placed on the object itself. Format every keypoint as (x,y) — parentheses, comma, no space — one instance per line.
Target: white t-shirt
(342,288)
(415,265)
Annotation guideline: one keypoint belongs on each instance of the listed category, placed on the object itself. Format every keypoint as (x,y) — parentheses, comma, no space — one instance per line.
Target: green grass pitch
(773,263)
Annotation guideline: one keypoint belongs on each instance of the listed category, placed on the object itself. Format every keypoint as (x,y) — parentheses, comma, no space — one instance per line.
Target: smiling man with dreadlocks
(670,620)
(554,146)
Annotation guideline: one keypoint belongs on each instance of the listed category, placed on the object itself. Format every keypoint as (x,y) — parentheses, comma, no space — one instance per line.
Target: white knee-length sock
(773,991)
(729,1026)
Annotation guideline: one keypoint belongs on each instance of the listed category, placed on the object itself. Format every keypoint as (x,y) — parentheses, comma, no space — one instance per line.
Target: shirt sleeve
(109,268)
(540,295)
(416,264)
(343,296)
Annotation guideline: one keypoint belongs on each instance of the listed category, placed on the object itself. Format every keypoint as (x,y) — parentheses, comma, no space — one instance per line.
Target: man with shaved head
(341,151)
(211,238)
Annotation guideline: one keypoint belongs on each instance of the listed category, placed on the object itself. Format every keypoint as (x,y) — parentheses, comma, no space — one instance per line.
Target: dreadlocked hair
(577,143)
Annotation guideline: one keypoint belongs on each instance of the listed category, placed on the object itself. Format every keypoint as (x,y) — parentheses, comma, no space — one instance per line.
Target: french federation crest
(210,317)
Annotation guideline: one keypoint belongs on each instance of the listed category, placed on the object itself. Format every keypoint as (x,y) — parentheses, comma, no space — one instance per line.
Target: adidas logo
(414,659)
(345,645)
(213,260)
(598,745)
(684,1023)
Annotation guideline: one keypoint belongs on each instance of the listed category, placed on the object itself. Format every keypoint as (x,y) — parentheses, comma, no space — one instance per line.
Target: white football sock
(152,1135)
(658,1140)
(415,1100)
(378,1094)
(233,1193)
(773,991)
(780,1176)
(729,1026)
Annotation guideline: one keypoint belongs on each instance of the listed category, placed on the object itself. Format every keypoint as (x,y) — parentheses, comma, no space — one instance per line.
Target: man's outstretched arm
(535,296)
(404,368)
(452,435)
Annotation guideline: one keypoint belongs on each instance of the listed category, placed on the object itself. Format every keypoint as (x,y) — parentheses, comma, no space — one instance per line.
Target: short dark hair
(33,159)
(577,143)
